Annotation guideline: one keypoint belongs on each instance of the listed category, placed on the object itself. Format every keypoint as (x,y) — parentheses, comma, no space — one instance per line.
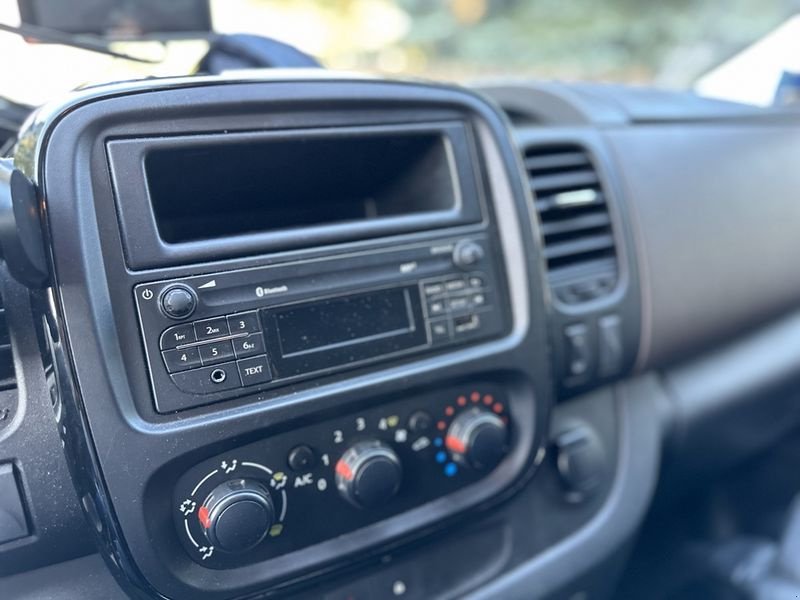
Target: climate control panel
(298,488)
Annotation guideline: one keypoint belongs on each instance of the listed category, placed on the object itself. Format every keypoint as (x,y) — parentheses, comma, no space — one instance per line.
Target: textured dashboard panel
(715,210)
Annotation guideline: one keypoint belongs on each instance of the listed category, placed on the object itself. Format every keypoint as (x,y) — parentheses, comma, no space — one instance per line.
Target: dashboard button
(244,323)
(302,458)
(207,380)
(440,331)
(211,328)
(178,301)
(180,360)
(216,352)
(434,289)
(254,370)
(420,421)
(177,336)
(437,307)
(455,285)
(249,346)
(476,281)
(466,324)
(458,304)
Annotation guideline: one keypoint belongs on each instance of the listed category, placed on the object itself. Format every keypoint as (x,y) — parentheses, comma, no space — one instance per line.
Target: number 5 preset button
(216,352)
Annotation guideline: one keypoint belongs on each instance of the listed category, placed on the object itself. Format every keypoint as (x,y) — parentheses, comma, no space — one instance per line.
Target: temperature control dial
(477,438)
(237,515)
(368,474)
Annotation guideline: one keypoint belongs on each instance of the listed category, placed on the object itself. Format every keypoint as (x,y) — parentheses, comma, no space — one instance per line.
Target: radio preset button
(251,345)
(458,303)
(216,352)
(476,281)
(244,323)
(466,324)
(455,285)
(211,328)
(437,307)
(440,331)
(254,370)
(177,336)
(180,360)
(477,300)
(434,289)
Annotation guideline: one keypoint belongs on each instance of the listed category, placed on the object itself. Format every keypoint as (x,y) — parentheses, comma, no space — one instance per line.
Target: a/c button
(254,370)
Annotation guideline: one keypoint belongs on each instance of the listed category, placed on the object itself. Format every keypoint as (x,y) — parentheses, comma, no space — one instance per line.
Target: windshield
(668,44)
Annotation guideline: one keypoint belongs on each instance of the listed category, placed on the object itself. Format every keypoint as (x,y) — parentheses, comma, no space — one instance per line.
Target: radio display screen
(325,333)
(344,321)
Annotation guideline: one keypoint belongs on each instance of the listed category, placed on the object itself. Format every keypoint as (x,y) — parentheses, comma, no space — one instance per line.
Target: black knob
(237,515)
(477,438)
(580,460)
(178,301)
(467,254)
(368,474)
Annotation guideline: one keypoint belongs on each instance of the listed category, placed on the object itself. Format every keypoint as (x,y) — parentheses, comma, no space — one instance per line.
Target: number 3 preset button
(254,370)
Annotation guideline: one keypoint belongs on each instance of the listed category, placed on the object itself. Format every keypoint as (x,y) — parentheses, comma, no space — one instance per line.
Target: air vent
(8,378)
(575,222)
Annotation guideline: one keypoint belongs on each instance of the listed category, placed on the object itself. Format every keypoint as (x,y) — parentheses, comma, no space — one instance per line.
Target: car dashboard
(318,335)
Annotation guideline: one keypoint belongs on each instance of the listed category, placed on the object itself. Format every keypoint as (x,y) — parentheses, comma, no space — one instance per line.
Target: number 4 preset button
(180,360)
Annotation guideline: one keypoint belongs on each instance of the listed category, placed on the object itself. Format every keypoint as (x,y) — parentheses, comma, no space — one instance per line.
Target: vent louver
(575,222)
(8,379)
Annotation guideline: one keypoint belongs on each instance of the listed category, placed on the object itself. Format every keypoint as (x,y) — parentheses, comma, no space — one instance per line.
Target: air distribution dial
(368,474)
(237,515)
(477,438)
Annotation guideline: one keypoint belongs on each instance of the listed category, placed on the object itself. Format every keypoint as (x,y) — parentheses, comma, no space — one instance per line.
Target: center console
(295,323)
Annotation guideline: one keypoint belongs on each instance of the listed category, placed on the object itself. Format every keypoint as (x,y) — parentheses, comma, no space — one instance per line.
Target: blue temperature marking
(441,456)
(438,442)
(450,469)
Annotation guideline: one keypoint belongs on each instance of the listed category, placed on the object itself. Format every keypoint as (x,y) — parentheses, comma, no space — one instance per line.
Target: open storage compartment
(293,188)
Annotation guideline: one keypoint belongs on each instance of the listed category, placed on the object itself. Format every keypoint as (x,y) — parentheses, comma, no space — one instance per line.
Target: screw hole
(218,375)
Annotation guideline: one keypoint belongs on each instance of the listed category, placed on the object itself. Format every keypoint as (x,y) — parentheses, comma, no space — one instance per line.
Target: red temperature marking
(202,516)
(454,444)
(343,469)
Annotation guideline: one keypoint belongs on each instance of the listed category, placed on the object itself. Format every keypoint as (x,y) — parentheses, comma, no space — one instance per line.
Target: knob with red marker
(477,438)
(368,474)
(237,515)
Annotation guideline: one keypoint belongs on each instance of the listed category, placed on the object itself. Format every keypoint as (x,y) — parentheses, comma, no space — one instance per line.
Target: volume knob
(237,515)
(477,438)
(368,474)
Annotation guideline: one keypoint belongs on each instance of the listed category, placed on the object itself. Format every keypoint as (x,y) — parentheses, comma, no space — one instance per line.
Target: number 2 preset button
(254,370)
(180,360)
(211,328)
(216,352)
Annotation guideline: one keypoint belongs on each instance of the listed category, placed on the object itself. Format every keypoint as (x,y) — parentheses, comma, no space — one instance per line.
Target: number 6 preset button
(216,352)
(211,328)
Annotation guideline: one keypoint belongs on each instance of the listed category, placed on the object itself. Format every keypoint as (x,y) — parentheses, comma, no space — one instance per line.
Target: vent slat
(575,224)
(564,181)
(579,246)
(580,223)
(557,161)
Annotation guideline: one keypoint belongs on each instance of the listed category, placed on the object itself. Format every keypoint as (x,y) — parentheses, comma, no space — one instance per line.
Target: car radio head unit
(214,337)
